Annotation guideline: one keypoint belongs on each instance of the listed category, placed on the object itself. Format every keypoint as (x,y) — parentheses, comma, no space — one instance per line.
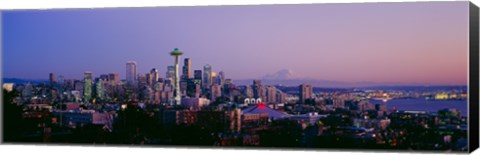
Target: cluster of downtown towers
(151,88)
(206,109)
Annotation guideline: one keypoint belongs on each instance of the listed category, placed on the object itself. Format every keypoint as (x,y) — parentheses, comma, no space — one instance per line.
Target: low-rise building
(239,140)
(311,118)
(74,118)
(372,123)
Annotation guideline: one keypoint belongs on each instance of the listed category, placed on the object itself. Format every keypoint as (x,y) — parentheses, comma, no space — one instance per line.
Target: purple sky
(423,43)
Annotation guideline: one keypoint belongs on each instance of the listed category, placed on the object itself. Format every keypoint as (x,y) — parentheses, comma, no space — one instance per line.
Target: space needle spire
(176,55)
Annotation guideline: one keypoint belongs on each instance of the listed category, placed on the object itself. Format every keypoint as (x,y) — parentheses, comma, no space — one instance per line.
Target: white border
(48,4)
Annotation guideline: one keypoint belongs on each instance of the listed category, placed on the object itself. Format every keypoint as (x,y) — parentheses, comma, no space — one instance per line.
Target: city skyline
(376,76)
(436,57)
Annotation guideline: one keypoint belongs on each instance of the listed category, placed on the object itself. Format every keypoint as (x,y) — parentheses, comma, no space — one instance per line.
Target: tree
(12,116)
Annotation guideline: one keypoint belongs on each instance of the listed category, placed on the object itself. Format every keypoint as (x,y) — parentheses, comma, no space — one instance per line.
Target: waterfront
(420,104)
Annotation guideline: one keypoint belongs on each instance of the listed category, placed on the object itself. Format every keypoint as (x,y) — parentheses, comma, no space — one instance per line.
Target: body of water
(420,104)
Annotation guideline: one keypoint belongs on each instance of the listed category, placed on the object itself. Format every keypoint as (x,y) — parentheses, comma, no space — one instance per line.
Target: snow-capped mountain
(284,74)
(287,77)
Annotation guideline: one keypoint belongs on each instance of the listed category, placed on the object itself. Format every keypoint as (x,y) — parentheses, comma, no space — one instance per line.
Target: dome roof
(262,108)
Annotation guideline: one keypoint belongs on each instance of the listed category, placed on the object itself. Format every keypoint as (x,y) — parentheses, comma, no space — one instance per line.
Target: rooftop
(262,108)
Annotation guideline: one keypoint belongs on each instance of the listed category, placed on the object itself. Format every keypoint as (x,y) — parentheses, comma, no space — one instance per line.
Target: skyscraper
(197,83)
(60,80)
(99,89)
(142,79)
(193,88)
(87,86)
(207,76)
(170,73)
(262,93)
(259,91)
(113,78)
(257,82)
(187,72)
(271,94)
(216,92)
(213,77)
(52,79)
(305,92)
(197,75)
(281,97)
(183,87)
(154,74)
(131,72)
(248,91)
(218,80)
(176,84)
(28,90)
(221,75)
(104,77)
(149,79)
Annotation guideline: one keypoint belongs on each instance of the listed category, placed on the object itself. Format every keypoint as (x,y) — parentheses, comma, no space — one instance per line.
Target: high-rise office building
(78,85)
(113,78)
(183,87)
(257,82)
(142,79)
(52,79)
(131,72)
(100,90)
(271,94)
(228,81)
(186,70)
(216,92)
(207,76)
(28,90)
(170,73)
(149,79)
(259,91)
(213,78)
(104,77)
(154,74)
(158,87)
(221,77)
(229,87)
(306,91)
(218,80)
(262,93)
(281,97)
(148,94)
(248,91)
(197,76)
(192,88)
(87,86)
(60,80)
(176,84)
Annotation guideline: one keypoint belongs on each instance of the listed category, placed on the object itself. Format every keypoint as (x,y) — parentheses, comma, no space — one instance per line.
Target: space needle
(176,54)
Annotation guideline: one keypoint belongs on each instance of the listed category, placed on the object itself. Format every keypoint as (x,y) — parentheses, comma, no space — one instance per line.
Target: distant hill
(22,81)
